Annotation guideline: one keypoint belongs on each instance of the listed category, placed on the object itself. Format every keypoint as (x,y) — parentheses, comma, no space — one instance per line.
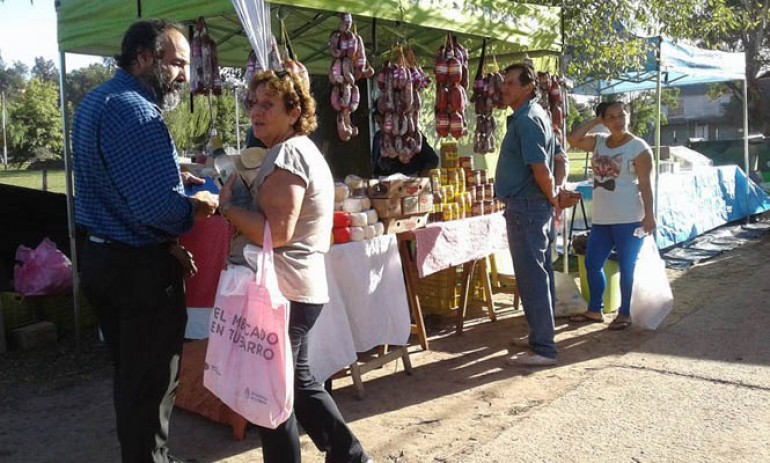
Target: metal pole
(657,133)
(70,196)
(237,120)
(5,139)
(746,141)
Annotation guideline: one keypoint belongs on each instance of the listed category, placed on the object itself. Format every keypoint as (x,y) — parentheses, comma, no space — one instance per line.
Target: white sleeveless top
(300,264)
(616,195)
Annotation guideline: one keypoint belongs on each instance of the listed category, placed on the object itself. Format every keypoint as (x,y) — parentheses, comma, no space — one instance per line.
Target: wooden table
(442,245)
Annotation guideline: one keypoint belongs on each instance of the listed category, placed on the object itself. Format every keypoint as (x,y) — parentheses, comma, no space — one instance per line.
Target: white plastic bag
(651,297)
(569,301)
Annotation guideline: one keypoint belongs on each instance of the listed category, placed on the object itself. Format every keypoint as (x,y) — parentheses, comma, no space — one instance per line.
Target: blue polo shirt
(528,140)
(127,182)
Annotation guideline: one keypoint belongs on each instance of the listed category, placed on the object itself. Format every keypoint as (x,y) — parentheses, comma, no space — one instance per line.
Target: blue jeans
(601,241)
(529,224)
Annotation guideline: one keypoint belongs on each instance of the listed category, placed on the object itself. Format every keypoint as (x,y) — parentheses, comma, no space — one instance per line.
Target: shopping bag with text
(249,363)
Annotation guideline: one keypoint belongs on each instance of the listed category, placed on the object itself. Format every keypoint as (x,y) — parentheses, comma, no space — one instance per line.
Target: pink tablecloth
(445,244)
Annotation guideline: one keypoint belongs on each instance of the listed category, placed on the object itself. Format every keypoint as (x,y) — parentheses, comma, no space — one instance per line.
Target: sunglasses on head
(248,103)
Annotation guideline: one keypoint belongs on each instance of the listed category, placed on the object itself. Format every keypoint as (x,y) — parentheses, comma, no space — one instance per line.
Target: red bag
(249,363)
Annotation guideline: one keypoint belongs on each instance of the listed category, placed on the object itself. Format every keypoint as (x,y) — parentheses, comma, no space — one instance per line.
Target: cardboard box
(425,203)
(399,188)
(401,224)
(410,205)
(387,207)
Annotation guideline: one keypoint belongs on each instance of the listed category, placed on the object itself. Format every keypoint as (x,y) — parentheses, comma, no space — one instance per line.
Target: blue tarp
(680,65)
(692,203)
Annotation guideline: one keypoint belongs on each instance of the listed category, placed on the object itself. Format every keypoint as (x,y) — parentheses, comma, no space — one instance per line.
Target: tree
(35,121)
(45,70)
(12,79)
(603,38)
(81,81)
(191,129)
(750,33)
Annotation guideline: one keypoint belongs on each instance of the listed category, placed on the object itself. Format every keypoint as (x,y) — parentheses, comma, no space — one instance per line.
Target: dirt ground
(55,405)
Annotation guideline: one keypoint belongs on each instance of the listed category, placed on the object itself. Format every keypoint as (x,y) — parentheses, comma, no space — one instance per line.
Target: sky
(28,30)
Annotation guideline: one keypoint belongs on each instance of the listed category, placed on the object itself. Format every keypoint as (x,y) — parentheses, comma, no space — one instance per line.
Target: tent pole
(237,119)
(70,205)
(657,134)
(565,244)
(746,139)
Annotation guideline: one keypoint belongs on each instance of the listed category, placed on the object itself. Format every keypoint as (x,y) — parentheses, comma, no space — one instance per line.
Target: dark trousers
(138,296)
(314,408)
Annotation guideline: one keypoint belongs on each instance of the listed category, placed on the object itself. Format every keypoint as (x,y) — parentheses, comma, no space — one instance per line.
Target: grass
(33,179)
(577,164)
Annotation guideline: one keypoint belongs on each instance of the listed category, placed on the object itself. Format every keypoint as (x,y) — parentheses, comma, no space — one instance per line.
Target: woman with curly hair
(293,192)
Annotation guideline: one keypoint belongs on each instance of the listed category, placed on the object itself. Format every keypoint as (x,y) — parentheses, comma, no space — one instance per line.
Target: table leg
(488,290)
(465,294)
(410,281)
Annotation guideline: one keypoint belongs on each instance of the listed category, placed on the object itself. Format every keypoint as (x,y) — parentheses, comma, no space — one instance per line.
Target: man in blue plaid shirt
(130,199)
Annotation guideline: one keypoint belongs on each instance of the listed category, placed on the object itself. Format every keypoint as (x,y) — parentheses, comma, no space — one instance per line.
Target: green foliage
(13,79)
(35,121)
(191,129)
(45,70)
(643,109)
(602,37)
(81,81)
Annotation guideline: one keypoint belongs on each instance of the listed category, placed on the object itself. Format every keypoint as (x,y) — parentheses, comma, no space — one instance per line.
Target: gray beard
(166,92)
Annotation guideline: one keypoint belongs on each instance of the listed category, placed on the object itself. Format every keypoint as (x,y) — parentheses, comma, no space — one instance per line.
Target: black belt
(117,244)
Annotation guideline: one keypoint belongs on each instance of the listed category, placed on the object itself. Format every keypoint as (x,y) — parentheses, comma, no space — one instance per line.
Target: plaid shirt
(127,181)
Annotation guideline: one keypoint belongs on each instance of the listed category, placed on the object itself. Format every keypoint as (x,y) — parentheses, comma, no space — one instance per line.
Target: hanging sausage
(204,63)
(450,67)
(400,81)
(349,64)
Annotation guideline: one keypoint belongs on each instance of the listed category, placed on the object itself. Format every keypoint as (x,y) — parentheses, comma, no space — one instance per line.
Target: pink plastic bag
(43,271)
(249,363)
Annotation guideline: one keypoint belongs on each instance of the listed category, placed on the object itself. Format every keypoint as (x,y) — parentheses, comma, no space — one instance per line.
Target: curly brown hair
(296,94)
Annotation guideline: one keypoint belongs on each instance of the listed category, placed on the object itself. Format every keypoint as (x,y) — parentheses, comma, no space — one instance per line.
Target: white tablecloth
(367,307)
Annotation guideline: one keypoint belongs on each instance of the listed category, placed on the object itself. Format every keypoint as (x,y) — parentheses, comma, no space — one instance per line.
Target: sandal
(583,318)
(619,324)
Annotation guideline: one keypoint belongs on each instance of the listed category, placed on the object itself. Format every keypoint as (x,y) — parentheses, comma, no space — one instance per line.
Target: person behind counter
(622,202)
(420,164)
(131,201)
(294,193)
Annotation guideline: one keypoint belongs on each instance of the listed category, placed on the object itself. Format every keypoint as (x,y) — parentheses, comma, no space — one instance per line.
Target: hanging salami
(450,66)
(349,64)
(400,81)
(204,62)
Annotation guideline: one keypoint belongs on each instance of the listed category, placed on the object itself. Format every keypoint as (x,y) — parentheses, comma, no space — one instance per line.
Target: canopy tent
(670,64)
(97,27)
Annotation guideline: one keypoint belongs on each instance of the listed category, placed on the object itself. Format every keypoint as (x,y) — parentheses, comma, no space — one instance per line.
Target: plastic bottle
(223,163)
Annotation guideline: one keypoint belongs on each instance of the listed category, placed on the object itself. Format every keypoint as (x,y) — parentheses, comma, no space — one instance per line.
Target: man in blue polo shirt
(130,199)
(524,180)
